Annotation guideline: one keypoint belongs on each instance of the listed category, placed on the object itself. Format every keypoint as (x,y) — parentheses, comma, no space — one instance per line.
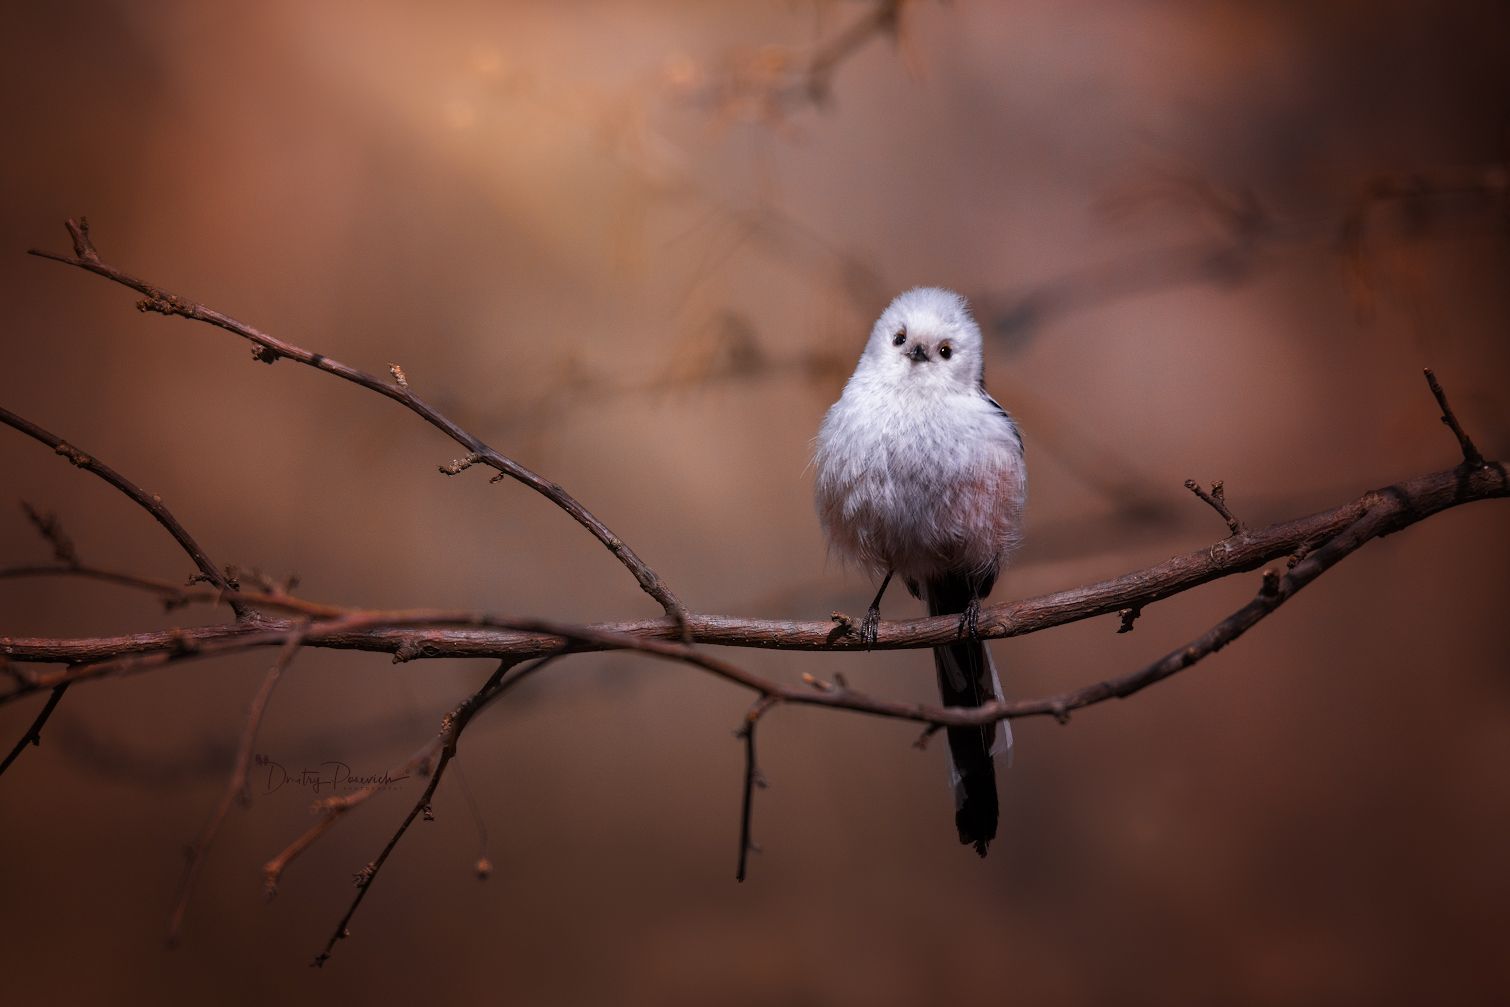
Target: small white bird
(920,474)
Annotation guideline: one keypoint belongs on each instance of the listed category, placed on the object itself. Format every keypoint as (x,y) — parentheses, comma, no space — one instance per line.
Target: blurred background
(639,247)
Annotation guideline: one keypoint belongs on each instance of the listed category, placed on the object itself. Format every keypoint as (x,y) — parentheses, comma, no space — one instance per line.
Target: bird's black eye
(946,351)
(899,338)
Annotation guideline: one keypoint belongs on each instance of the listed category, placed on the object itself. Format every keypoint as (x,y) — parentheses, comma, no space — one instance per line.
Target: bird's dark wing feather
(1011,423)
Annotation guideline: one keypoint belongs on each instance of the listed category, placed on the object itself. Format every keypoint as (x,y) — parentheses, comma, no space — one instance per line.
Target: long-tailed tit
(920,475)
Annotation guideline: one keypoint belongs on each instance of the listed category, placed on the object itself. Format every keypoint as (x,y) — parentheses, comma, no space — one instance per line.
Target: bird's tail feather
(967,677)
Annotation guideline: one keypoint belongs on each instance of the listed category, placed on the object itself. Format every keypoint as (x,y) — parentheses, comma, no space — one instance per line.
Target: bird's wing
(1011,423)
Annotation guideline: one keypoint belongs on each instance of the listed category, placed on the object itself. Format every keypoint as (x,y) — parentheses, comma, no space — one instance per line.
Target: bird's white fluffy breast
(919,484)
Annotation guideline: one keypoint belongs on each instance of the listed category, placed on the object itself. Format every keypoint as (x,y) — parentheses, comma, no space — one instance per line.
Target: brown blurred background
(638,247)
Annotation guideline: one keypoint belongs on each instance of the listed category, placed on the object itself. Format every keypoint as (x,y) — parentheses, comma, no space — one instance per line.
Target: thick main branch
(430,634)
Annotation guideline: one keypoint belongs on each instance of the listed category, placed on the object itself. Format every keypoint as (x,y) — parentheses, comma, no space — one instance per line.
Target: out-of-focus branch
(444,748)
(269,349)
(48,526)
(332,809)
(770,82)
(1248,235)
(235,787)
(1418,196)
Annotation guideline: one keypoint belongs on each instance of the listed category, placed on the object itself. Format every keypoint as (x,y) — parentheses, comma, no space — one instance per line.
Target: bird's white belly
(925,494)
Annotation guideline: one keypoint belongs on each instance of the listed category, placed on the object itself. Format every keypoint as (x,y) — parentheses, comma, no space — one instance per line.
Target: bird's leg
(969,620)
(871,624)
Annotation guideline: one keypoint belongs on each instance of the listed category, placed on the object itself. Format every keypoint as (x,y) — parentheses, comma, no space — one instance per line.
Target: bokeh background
(638,246)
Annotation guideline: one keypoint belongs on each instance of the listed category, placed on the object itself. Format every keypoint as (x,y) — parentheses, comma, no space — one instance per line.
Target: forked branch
(269,349)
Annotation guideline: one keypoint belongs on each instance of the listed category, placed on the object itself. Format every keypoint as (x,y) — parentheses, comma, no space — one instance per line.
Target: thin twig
(753,779)
(1471,457)
(175,595)
(235,787)
(269,349)
(151,503)
(333,808)
(33,735)
(1217,500)
(451,728)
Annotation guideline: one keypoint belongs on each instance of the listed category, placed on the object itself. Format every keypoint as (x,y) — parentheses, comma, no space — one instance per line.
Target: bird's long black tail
(967,677)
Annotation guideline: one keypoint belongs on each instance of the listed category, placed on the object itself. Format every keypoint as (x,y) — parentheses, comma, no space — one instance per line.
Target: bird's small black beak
(917,353)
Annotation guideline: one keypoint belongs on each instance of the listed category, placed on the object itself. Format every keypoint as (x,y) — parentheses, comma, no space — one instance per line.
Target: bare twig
(269,348)
(235,787)
(33,735)
(151,503)
(174,595)
(451,727)
(333,808)
(1471,457)
(1217,500)
(753,779)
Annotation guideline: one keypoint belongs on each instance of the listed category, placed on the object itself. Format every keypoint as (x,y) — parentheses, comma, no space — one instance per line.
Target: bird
(920,474)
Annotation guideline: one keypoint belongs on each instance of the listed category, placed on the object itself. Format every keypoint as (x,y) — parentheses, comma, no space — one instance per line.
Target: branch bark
(423,634)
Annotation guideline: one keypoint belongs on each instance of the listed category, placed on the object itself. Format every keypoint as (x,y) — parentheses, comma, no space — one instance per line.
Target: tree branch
(150,502)
(269,349)
(429,634)
(1387,511)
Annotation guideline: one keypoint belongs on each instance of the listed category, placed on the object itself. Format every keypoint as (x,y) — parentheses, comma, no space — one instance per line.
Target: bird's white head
(926,339)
